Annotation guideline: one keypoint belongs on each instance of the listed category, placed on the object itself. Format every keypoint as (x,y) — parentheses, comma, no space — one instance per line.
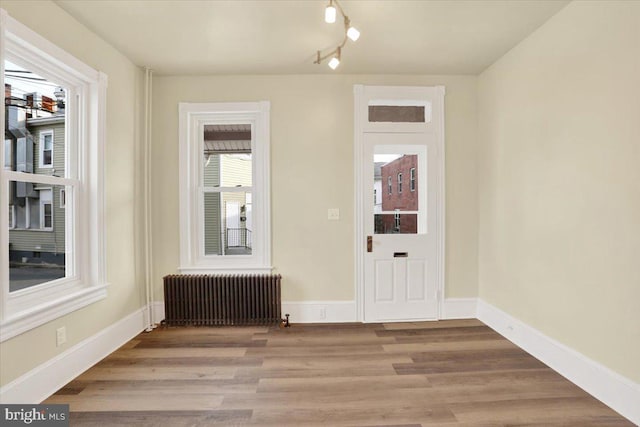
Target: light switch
(333,214)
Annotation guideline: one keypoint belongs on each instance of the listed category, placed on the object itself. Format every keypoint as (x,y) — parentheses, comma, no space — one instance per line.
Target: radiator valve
(285,322)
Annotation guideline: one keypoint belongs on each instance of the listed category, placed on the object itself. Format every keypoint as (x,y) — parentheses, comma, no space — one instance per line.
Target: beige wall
(26,351)
(559,153)
(312,170)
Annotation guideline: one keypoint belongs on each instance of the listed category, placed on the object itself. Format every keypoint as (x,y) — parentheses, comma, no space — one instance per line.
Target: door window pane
(396,223)
(398,209)
(390,169)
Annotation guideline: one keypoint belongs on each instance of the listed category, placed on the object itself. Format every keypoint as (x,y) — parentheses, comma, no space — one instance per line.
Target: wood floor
(448,373)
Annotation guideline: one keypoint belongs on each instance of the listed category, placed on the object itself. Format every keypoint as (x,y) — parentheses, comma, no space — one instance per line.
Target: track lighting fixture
(330,13)
(353,33)
(335,61)
(350,32)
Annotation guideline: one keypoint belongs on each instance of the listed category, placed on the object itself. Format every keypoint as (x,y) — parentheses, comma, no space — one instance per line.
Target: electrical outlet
(323,313)
(61,336)
(333,214)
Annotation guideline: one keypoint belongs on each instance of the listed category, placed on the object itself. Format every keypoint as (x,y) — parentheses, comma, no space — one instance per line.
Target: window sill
(225,270)
(49,310)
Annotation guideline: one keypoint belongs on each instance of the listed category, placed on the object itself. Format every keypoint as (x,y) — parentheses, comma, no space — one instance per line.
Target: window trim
(86,282)
(389,185)
(192,119)
(41,150)
(399,182)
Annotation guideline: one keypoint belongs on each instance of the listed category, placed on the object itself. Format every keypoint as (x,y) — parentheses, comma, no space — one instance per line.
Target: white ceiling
(282,37)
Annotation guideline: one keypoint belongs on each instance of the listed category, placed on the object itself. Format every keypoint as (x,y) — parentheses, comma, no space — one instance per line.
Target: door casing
(362,97)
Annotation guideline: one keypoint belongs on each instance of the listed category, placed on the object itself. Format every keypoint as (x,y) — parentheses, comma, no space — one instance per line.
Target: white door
(400,262)
(401,248)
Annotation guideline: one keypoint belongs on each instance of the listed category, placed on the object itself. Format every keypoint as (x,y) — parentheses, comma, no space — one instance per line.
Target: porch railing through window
(237,238)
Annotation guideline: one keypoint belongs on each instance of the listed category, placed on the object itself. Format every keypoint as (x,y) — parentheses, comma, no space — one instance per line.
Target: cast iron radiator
(252,299)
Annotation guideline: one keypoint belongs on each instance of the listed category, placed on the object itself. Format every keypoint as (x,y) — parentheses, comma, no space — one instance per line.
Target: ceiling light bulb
(330,14)
(353,34)
(334,63)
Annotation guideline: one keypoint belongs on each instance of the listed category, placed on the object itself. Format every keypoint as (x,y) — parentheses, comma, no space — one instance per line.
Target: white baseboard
(459,308)
(320,311)
(611,388)
(344,311)
(158,311)
(44,380)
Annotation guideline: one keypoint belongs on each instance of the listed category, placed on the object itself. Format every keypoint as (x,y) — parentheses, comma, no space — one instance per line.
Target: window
(55,113)
(46,149)
(399,183)
(389,185)
(224,187)
(396,221)
(12,217)
(399,111)
(8,154)
(412,178)
(46,210)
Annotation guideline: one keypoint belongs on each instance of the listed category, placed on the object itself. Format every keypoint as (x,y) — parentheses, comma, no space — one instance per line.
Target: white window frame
(399,182)
(85,280)
(43,202)
(41,150)
(192,119)
(389,185)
